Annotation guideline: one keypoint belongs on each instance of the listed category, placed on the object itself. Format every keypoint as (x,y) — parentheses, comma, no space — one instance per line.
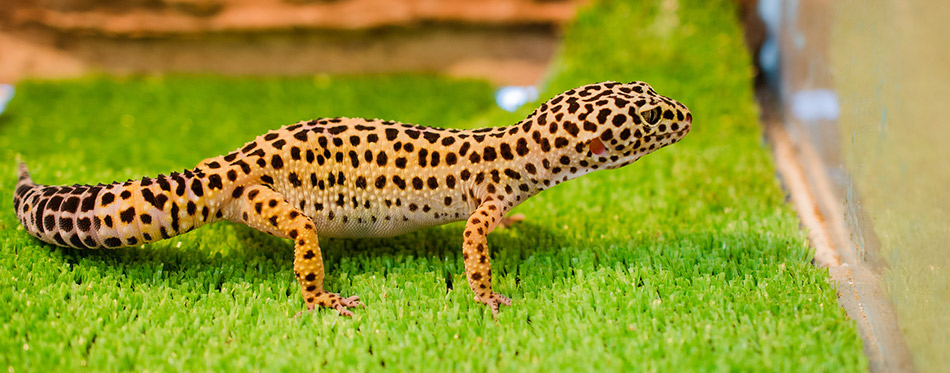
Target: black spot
(354,140)
(237,192)
(248,147)
(489,154)
(431,136)
(464,149)
(448,140)
(413,134)
(560,142)
(391,134)
(619,120)
(128,215)
(294,180)
(417,183)
(301,135)
(361,182)
(565,160)
(232,175)
(399,182)
(49,222)
(545,145)
(602,116)
(475,158)
(495,176)
(84,224)
(279,144)
(512,174)
(400,162)
(277,162)
(506,151)
(336,130)
(65,224)
(465,175)
(625,134)
(145,218)
(89,202)
(266,179)
(434,159)
(192,208)
(590,126)
(56,201)
(174,214)
(244,166)
(380,182)
(71,204)
(521,147)
(256,153)
(196,188)
(112,242)
(571,128)
(573,106)
(432,182)
(381,158)
(422,157)
(295,153)
(214,182)
(125,194)
(341,200)
(451,159)
(270,136)
(450,181)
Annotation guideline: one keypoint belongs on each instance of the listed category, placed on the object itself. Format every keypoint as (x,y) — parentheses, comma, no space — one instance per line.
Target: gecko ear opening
(597,147)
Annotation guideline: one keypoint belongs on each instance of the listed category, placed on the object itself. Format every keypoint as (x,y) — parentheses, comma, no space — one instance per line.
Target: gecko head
(614,124)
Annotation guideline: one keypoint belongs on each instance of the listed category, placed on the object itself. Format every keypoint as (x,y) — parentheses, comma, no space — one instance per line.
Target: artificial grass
(688,259)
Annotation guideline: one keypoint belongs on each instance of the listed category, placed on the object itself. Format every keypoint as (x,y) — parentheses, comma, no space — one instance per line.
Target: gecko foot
(332,300)
(494,301)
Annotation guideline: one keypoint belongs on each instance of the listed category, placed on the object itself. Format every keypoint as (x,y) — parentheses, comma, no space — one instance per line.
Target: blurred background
(860,87)
(504,41)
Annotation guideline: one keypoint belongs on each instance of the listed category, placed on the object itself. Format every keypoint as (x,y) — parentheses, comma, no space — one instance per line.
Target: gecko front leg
(267,211)
(475,254)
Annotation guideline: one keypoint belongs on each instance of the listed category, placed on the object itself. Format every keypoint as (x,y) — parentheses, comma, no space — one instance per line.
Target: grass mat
(688,259)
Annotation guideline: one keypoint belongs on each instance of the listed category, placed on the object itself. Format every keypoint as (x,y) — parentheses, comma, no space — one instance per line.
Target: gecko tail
(23,176)
(113,215)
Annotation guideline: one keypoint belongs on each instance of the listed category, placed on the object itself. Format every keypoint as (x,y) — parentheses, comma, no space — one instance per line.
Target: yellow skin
(351,177)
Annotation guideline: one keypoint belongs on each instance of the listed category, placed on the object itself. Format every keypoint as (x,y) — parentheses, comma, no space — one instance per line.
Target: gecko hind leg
(264,209)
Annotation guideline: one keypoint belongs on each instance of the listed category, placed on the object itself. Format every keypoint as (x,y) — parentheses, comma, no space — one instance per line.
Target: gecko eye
(652,116)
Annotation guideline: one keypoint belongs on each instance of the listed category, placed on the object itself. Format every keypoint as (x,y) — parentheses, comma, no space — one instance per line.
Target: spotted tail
(117,214)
